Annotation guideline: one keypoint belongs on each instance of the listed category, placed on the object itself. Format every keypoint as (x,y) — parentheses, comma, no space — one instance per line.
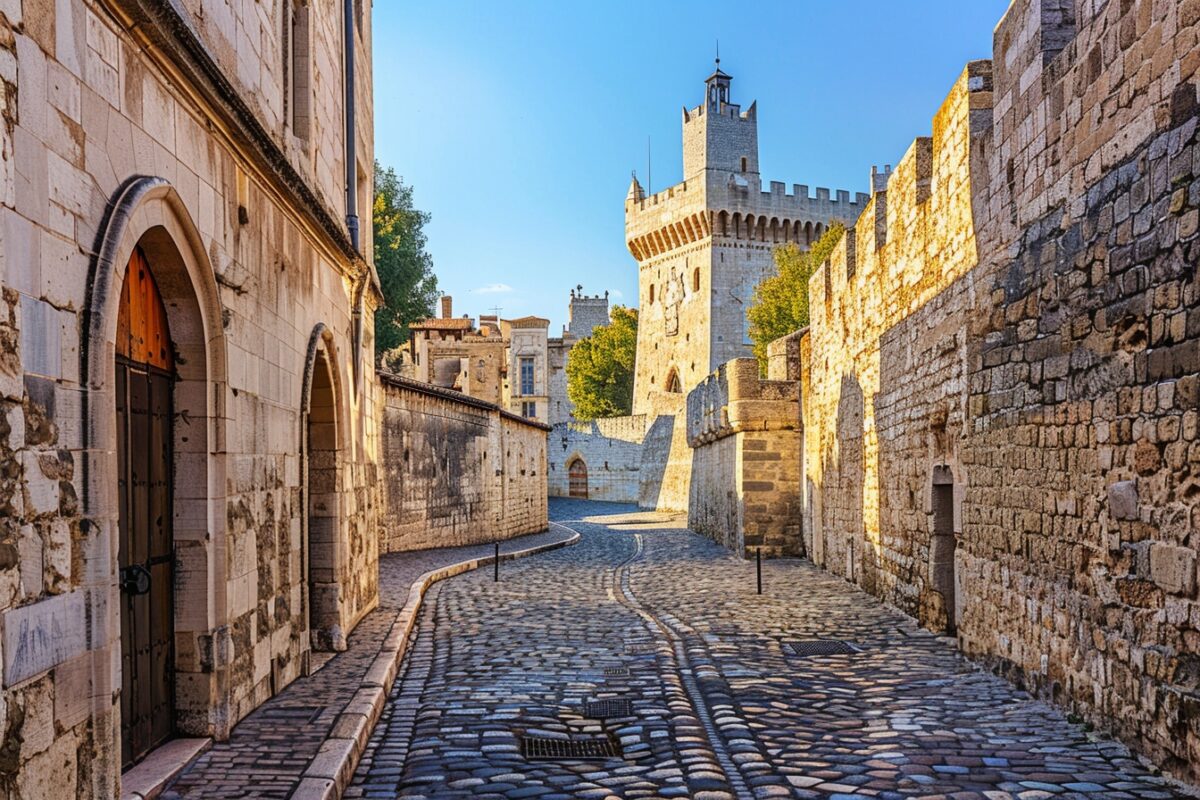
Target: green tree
(780,302)
(405,268)
(600,368)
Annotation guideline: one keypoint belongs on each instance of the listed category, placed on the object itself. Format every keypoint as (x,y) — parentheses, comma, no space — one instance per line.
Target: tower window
(652,294)
(696,280)
(743,163)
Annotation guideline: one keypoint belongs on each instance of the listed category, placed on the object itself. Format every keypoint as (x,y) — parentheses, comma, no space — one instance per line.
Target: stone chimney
(447,307)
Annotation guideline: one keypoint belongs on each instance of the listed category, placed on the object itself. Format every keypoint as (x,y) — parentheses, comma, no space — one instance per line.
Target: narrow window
(743,163)
(529,410)
(526,376)
(696,279)
(297,68)
(652,294)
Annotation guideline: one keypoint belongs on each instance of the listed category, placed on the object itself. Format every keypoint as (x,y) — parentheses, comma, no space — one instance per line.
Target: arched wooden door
(145,372)
(578,478)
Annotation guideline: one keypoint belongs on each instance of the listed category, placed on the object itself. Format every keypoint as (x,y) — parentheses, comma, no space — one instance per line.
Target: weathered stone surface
(41,635)
(1123,500)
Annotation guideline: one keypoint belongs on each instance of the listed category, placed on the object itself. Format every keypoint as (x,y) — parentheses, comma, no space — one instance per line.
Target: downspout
(352,188)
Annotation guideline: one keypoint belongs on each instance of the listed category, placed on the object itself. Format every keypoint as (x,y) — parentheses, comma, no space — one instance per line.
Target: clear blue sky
(517,123)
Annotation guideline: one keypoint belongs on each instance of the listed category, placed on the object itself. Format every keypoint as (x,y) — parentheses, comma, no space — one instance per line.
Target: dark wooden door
(577,475)
(144,386)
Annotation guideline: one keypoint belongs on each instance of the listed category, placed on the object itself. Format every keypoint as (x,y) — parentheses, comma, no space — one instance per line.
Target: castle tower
(703,244)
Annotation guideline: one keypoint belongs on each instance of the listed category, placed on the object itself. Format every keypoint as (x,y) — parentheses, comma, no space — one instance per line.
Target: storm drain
(616,672)
(640,649)
(596,748)
(819,647)
(603,709)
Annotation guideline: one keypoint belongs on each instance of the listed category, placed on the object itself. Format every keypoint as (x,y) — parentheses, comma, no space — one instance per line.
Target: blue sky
(517,123)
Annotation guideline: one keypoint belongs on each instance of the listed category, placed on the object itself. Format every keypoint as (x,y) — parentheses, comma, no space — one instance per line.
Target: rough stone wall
(457,471)
(561,408)
(248,278)
(610,448)
(745,488)
(1026,333)
(666,473)
(1083,496)
(888,359)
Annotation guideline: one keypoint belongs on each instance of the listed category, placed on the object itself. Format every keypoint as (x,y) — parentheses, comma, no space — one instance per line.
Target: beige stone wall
(457,471)
(745,434)
(611,449)
(1011,331)
(258,283)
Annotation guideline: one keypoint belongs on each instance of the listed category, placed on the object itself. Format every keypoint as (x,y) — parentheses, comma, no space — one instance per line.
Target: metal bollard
(758,566)
(496,565)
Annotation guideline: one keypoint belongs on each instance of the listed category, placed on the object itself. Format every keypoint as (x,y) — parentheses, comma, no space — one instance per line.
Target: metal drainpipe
(352,185)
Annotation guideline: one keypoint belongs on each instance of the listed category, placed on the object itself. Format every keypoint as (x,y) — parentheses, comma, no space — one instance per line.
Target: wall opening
(943,543)
(320,448)
(577,476)
(145,383)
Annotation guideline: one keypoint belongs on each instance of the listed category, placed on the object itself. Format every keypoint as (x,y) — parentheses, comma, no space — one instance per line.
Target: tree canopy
(405,268)
(780,302)
(600,368)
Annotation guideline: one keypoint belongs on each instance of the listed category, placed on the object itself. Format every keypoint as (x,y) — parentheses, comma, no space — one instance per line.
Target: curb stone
(330,771)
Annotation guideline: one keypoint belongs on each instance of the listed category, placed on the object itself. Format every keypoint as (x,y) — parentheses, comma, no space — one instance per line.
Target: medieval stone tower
(703,244)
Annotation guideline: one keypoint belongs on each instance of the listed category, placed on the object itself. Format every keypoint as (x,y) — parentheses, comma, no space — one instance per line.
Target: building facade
(704,244)
(585,313)
(188,447)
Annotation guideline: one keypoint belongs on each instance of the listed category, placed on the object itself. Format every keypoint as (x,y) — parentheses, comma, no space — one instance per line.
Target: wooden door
(577,474)
(144,386)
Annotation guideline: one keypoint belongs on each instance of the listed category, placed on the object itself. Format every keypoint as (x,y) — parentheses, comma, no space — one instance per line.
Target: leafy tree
(600,368)
(780,302)
(405,268)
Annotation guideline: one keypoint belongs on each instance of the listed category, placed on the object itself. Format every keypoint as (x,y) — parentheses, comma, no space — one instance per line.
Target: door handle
(135,579)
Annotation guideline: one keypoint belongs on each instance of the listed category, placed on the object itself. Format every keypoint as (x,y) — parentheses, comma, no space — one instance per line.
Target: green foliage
(780,302)
(405,269)
(600,368)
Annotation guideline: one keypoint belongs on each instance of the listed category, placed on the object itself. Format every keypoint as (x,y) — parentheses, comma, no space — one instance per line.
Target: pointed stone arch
(146,214)
(323,435)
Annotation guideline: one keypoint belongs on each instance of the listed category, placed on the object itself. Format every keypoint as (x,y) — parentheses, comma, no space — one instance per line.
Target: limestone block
(1173,569)
(30,547)
(41,635)
(42,494)
(1123,500)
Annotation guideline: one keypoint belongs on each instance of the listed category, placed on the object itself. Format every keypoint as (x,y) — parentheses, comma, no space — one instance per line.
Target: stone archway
(577,479)
(320,448)
(148,217)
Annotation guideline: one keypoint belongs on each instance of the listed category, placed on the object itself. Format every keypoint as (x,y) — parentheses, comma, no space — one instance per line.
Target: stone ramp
(301,735)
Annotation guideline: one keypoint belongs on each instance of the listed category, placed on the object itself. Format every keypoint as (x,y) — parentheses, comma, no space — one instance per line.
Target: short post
(758,566)
(496,564)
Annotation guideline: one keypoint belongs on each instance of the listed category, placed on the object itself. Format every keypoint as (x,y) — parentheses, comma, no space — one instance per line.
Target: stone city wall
(106,147)
(610,449)
(1002,403)
(457,471)
(745,435)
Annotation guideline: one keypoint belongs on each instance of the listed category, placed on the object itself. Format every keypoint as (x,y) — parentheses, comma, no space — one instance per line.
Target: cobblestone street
(644,611)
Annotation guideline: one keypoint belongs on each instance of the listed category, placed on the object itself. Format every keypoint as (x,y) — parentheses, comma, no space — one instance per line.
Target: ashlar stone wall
(458,471)
(745,488)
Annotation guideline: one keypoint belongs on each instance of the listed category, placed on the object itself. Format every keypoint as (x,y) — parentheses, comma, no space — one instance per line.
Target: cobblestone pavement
(270,749)
(644,611)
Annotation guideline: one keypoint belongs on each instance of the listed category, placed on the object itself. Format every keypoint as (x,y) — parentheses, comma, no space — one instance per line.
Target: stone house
(187,422)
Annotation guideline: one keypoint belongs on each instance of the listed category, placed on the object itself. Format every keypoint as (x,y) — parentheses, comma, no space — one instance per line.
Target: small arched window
(652,294)
(673,384)
(696,279)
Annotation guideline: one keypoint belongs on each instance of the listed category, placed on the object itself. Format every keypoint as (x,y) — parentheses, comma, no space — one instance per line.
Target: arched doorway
(673,384)
(321,511)
(577,474)
(943,543)
(145,377)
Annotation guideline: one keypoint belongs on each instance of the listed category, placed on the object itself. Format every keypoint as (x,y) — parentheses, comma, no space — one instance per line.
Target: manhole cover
(616,672)
(297,714)
(819,647)
(640,649)
(540,748)
(602,709)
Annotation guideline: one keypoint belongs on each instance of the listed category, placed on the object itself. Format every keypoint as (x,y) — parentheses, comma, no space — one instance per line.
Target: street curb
(330,771)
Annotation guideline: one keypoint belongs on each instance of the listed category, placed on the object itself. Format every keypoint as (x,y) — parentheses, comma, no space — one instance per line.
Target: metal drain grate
(616,672)
(602,709)
(640,649)
(540,748)
(819,647)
